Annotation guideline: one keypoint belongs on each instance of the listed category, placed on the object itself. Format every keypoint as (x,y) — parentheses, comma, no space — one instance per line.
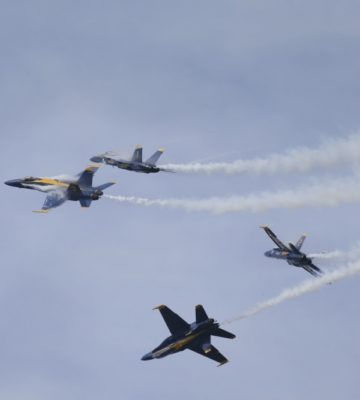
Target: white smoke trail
(351,255)
(334,152)
(328,255)
(305,287)
(327,194)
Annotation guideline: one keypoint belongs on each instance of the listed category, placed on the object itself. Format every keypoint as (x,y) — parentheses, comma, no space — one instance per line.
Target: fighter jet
(291,253)
(59,189)
(195,336)
(136,163)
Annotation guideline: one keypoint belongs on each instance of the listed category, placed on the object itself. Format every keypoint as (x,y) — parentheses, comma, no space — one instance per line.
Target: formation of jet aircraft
(136,163)
(195,336)
(59,190)
(291,253)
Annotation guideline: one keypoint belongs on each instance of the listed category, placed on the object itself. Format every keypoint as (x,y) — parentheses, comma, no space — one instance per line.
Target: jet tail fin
(137,155)
(154,158)
(86,177)
(294,248)
(200,314)
(300,242)
(223,333)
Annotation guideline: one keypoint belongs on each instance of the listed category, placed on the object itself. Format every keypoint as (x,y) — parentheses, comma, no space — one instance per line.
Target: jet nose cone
(13,182)
(147,357)
(96,159)
(267,253)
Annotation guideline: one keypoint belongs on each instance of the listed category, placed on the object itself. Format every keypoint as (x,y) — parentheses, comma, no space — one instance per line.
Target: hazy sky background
(235,79)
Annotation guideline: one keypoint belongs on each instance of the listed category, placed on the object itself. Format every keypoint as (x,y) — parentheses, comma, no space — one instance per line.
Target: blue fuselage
(198,333)
(130,165)
(292,258)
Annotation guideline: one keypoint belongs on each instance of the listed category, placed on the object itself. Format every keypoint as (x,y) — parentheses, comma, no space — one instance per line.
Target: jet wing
(210,352)
(175,323)
(274,238)
(52,200)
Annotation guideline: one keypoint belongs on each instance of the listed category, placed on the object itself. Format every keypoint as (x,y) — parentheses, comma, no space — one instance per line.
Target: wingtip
(41,211)
(159,307)
(93,166)
(138,147)
(161,149)
(263,226)
(224,362)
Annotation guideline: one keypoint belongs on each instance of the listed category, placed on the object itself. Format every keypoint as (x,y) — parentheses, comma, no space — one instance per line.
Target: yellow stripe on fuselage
(50,181)
(183,342)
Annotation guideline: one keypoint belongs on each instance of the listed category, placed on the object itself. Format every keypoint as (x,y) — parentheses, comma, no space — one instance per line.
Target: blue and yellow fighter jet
(195,336)
(136,162)
(291,253)
(60,189)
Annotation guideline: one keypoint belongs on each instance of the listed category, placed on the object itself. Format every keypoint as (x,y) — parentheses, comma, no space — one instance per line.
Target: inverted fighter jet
(291,253)
(59,190)
(195,336)
(136,163)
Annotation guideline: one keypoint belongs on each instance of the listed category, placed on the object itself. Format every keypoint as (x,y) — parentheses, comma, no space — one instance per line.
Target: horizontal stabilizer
(211,352)
(222,333)
(316,268)
(105,185)
(85,203)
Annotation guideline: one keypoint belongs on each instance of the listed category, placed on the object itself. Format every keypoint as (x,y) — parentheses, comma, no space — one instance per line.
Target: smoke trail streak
(334,152)
(328,194)
(328,255)
(305,287)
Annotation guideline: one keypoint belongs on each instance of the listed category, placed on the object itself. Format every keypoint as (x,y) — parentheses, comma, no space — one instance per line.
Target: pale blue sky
(202,78)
